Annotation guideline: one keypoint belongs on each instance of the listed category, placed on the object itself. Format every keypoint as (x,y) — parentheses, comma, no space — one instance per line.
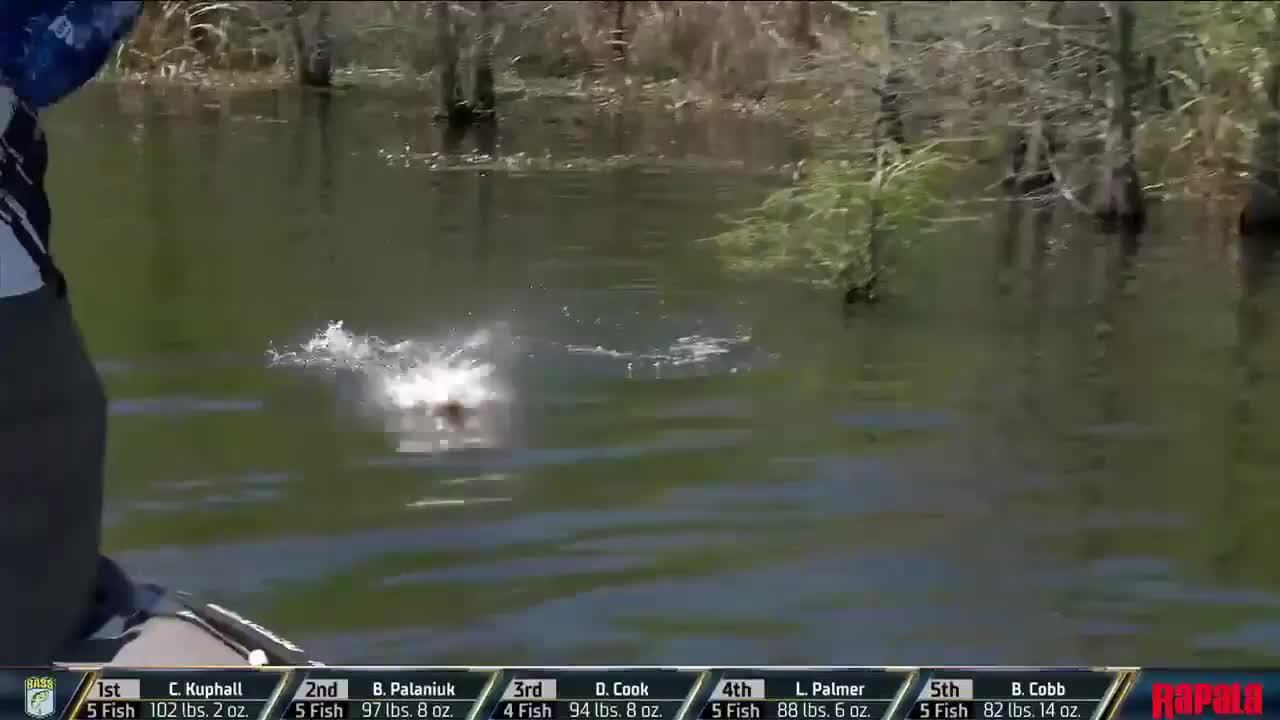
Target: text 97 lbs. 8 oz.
(406,710)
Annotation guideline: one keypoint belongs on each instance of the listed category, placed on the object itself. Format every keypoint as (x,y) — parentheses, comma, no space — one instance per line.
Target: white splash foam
(598,350)
(687,350)
(435,385)
(331,348)
(699,348)
(408,380)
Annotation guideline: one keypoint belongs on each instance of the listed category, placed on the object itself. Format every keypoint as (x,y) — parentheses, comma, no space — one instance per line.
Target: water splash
(686,350)
(692,352)
(411,382)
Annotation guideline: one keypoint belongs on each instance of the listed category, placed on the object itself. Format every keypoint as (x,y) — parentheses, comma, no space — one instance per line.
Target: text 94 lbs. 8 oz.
(597,710)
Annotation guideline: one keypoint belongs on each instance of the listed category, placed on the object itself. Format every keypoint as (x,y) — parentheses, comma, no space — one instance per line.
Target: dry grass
(177,37)
(724,48)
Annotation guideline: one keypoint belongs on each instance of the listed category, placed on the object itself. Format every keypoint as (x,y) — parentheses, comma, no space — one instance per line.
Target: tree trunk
(321,66)
(314,59)
(485,96)
(1042,141)
(453,107)
(888,126)
(618,36)
(1118,198)
(889,120)
(1031,141)
(1086,76)
(1261,213)
(802,27)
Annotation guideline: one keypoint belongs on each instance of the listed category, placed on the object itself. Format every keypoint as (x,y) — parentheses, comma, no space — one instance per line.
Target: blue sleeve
(52,47)
(15,15)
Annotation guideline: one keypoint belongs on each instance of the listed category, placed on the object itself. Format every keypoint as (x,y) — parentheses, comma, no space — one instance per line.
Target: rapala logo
(1170,701)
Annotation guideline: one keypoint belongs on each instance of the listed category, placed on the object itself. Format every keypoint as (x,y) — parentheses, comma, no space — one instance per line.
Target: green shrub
(819,230)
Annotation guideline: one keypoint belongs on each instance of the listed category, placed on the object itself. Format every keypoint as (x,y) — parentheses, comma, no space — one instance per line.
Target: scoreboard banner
(635,693)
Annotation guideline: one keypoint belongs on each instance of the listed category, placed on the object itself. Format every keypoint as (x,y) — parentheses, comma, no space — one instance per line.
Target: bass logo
(38,700)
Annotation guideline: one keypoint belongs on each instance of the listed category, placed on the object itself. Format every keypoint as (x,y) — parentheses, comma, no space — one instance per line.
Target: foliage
(821,227)
(1213,47)
(1214,59)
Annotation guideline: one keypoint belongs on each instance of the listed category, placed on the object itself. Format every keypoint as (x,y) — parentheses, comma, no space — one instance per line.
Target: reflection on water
(1049,447)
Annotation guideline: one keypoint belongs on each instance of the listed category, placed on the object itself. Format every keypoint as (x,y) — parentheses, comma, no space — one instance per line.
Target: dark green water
(1034,454)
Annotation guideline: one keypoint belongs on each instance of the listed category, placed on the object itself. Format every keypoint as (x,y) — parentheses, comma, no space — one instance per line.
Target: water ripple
(180,405)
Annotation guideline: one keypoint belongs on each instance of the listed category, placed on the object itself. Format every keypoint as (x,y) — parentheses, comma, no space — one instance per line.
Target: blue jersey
(48,48)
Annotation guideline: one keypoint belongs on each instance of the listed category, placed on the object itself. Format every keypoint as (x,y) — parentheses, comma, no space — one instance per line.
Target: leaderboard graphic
(635,693)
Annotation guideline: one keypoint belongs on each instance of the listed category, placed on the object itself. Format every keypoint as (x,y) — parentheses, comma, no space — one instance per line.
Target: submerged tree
(847,219)
(618,35)
(802,27)
(1118,197)
(453,106)
(831,227)
(313,51)
(1031,139)
(1261,212)
(888,145)
(889,118)
(485,95)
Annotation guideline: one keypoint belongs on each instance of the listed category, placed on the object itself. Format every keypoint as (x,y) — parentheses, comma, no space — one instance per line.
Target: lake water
(1038,451)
